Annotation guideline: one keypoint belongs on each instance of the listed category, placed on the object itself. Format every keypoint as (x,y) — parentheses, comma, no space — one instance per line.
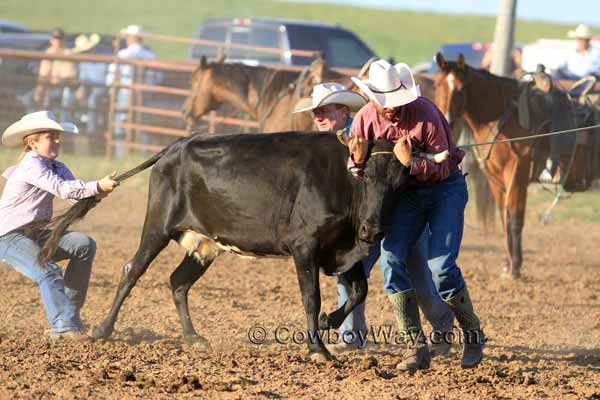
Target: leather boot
(440,343)
(473,337)
(416,355)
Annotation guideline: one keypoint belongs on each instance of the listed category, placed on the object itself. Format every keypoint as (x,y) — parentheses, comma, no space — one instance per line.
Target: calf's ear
(441,61)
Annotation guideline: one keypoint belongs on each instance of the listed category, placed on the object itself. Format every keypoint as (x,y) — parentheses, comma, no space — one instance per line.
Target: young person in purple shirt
(396,112)
(30,188)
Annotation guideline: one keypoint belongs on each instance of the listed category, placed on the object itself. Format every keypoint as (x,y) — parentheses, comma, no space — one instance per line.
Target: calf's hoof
(197,341)
(100,332)
(324,321)
(321,357)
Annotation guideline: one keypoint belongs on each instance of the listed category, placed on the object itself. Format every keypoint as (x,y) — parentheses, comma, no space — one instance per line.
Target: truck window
(255,36)
(344,50)
(340,48)
(216,33)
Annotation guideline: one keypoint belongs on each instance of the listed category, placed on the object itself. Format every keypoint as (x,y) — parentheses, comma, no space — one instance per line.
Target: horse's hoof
(324,321)
(320,357)
(99,332)
(197,342)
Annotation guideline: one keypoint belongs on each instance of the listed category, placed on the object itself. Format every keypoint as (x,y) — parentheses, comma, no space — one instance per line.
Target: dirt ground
(544,330)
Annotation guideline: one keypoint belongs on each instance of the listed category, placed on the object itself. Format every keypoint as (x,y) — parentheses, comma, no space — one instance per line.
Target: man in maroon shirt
(396,112)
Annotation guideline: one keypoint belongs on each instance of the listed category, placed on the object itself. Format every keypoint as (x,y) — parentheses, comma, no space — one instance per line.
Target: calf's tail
(59,224)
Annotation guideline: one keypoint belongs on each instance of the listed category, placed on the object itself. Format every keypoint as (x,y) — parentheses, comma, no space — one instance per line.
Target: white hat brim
(393,99)
(577,35)
(14,134)
(92,42)
(352,100)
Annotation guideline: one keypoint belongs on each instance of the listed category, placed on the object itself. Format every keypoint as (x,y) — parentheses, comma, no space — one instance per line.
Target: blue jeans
(119,132)
(62,296)
(441,207)
(93,102)
(121,116)
(416,272)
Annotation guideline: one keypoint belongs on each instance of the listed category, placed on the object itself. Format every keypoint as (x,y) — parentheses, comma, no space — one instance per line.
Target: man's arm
(424,169)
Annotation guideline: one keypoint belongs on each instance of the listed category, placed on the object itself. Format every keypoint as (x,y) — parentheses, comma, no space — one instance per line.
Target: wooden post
(128,132)
(503,38)
(139,103)
(211,122)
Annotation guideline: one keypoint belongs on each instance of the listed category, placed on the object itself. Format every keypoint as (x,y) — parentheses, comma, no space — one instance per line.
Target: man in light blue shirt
(585,60)
(92,79)
(135,49)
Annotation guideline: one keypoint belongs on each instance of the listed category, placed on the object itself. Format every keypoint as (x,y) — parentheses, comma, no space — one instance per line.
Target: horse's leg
(516,199)
(184,276)
(151,244)
(357,279)
(308,278)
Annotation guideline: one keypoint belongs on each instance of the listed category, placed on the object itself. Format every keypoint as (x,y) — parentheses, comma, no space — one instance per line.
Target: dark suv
(340,47)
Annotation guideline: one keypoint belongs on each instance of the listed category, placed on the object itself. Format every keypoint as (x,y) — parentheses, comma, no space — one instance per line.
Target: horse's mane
(240,77)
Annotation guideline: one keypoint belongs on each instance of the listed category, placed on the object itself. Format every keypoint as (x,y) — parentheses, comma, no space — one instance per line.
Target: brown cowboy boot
(440,343)
(474,338)
(416,356)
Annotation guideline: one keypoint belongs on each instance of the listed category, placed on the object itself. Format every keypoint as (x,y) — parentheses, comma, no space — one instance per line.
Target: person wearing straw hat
(584,60)
(92,77)
(331,105)
(55,78)
(398,113)
(135,49)
(27,198)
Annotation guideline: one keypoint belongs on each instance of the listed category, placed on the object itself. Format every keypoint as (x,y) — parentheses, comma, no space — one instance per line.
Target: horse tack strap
(492,136)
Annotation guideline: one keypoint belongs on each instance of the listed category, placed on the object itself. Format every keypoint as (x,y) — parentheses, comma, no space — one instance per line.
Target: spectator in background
(585,60)
(135,49)
(515,61)
(56,80)
(92,79)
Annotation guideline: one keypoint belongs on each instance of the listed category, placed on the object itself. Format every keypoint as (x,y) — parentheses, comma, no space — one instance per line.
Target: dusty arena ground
(544,330)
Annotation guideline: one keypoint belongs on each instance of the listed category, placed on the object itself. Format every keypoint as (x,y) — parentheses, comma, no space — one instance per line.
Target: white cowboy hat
(330,93)
(132,30)
(85,43)
(581,32)
(389,85)
(32,123)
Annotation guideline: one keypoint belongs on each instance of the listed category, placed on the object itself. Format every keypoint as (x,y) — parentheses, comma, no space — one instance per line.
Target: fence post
(128,132)
(211,122)
(139,102)
(112,112)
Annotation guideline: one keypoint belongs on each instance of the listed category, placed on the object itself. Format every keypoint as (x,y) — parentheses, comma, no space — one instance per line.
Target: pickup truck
(278,39)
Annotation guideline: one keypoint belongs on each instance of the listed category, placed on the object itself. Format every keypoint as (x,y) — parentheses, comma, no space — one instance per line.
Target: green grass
(86,167)
(408,36)
(583,206)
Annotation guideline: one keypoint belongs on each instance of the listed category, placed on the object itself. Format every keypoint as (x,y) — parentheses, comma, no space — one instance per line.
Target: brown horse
(488,105)
(266,95)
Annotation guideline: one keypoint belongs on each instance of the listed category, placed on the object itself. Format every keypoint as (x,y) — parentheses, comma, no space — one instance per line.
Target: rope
(464,146)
